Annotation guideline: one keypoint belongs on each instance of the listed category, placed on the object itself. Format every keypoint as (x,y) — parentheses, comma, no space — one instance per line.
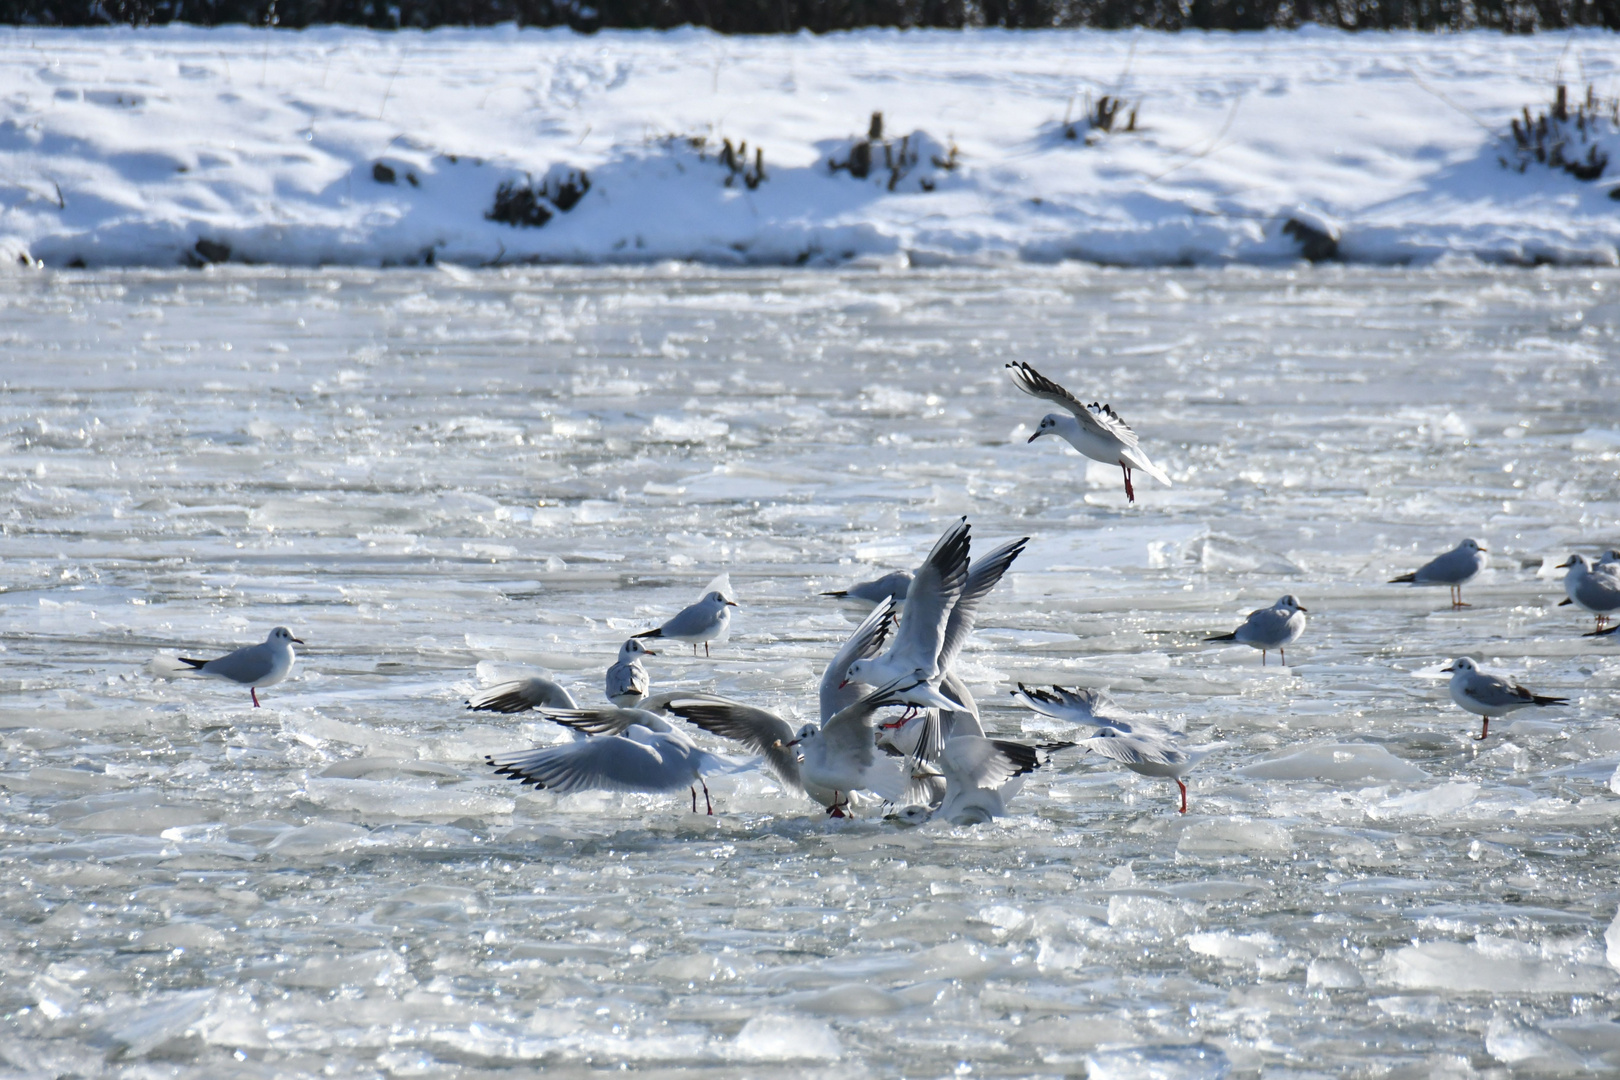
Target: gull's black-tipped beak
(785,745)
(1486,550)
(1302,608)
(1035,436)
(1451,667)
(732,603)
(298,640)
(843,684)
(1567,562)
(648,652)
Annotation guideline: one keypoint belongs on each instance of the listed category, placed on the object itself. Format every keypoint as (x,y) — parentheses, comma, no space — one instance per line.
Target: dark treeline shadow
(778,16)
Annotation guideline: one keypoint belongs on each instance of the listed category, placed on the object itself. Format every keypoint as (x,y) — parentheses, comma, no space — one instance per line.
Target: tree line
(820,16)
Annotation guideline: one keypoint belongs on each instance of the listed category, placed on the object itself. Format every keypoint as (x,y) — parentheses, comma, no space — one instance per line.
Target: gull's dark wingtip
(200,663)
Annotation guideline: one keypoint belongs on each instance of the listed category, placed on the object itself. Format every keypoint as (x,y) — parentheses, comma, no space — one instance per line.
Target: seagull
(913,661)
(1097,431)
(1150,755)
(253,666)
(1594,588)
(893,586)
(1081,707)
(843,754)
(982,775)
(770,736)
(1455,568)
(627,681)
(647,754)
(1270,628)
(1490,696)
(707,620)
(962,718)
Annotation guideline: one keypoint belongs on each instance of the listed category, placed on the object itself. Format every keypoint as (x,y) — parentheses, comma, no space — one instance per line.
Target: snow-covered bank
(339,145)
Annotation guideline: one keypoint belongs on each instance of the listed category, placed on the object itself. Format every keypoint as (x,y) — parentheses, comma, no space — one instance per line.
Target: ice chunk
(1451,965)
(1612,941)
(1235,837)
(1332,974)
(376,968)
(1200,1062)
(1513,1043)
(321,839)
(1227,554)
(165,1018)
(1225,945)
(1341,762)
(1147,913)
(1430,802)
(1597,441)
(787,1038)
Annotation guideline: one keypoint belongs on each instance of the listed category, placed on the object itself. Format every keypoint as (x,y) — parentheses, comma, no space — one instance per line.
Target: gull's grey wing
(849,731)
(977,763)
(521,695)
(983,575)
(626,678)
(1495,691)
(1598,589)
(963,721)
(1264,626)
(611,763)
(1101,419)
(608,720)
(247,664)
(760,730)
(893,586)
(934,591)
(867,640)
(1452,568)
(1134,751)
(700,618)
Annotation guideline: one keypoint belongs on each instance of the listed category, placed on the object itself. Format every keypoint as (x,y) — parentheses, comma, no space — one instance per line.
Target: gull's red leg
(693,790)
(254,691)
(1183,786)
(706,800)
(1485,729)
(1130,494)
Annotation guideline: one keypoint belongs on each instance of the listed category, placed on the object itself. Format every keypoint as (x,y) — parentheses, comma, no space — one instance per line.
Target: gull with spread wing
(1097,431)
(981,777)
(772,737)
(912,663)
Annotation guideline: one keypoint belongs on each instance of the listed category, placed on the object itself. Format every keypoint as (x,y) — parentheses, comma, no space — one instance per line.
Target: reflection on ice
(441,481)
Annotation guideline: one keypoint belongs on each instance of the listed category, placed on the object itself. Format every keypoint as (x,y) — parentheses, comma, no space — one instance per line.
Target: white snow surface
(174,145)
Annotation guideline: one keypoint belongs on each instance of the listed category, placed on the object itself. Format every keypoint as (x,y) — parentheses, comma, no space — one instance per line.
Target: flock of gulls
(898,728)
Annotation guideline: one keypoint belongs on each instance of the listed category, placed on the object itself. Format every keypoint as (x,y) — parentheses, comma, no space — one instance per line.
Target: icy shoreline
(341,146)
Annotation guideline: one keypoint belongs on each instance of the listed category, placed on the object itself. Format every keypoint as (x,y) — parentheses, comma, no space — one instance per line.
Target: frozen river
(435,477)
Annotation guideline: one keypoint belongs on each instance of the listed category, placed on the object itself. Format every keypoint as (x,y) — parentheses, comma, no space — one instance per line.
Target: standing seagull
(253,666)
(1455,568)
(627,681)
(707,620)
(1097,431)
(1594,588)
(1270,628)
(1490,696)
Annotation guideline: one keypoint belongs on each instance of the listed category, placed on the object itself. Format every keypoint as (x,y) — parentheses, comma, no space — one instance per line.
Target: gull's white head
(1577,560)
(632,649)
(857,672)
(1048,426)
(1461,665)
(1473,545)
(811,730)
(1290,604)
(911,815)
(282,635)
(718,597)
